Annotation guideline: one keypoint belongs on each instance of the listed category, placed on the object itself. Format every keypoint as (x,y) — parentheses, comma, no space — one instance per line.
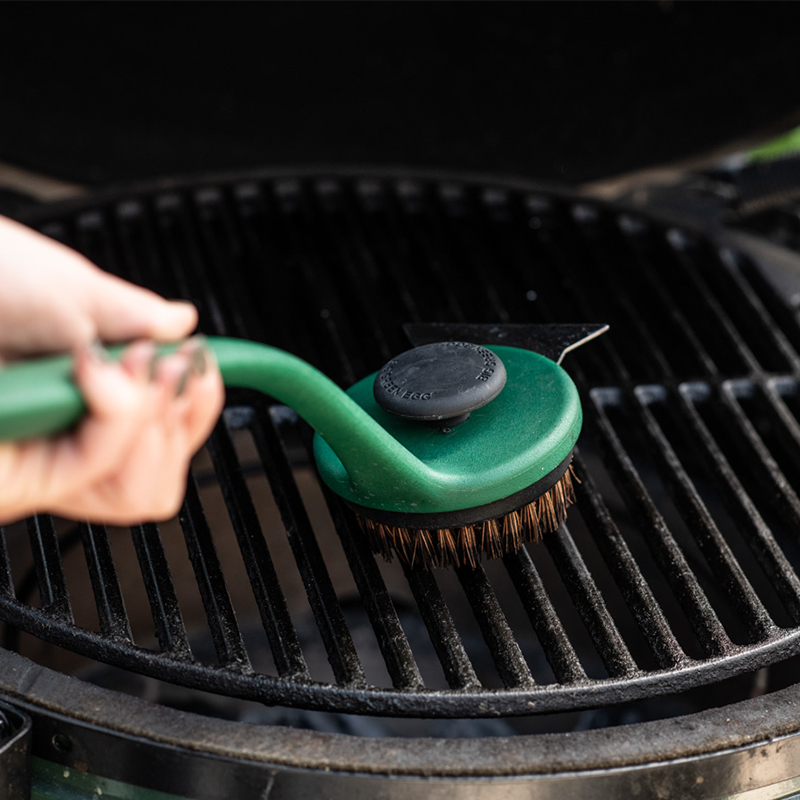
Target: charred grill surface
(676,567)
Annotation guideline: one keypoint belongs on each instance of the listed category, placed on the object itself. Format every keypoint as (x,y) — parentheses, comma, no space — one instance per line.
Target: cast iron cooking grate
(677,568)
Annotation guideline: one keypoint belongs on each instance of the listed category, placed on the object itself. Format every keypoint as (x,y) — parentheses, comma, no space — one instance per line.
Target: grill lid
(676,569)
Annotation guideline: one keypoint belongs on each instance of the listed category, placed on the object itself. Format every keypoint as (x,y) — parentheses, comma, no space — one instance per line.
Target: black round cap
(442,381)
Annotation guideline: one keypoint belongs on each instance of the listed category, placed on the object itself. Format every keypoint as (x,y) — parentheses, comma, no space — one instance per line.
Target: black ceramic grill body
(675,573)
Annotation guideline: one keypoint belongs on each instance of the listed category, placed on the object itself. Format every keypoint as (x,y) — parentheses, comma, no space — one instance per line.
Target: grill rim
(761,726)
(122,191)
(782,645)
(486,704)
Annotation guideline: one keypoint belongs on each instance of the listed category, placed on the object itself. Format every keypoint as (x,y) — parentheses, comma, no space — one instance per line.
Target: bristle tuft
(465,546)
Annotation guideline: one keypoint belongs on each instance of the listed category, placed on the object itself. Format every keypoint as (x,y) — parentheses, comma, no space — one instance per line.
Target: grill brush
(452,451)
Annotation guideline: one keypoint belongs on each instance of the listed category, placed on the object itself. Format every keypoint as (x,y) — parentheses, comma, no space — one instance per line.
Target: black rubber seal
(467,516)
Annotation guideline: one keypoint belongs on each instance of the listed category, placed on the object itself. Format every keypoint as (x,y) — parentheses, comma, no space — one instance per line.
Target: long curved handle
(39,398)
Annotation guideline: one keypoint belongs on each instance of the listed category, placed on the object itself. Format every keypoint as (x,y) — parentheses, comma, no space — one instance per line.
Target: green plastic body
(504,447)
(364,454)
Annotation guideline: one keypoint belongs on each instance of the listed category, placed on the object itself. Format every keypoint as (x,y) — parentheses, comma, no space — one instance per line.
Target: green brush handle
(39,398)
(364,454)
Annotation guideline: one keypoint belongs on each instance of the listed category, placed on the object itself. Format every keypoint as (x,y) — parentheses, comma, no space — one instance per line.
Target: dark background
(568,92)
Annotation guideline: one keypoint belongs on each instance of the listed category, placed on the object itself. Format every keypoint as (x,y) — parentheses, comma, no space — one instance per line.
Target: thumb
(123,311)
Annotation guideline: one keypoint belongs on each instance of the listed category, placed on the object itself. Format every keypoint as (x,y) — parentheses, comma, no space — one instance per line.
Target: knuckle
(169,501)
(171,507)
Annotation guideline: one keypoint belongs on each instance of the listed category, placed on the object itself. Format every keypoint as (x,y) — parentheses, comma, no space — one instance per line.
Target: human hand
(128,460)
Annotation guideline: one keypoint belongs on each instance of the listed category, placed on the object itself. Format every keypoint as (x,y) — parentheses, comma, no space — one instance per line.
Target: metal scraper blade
(551,340)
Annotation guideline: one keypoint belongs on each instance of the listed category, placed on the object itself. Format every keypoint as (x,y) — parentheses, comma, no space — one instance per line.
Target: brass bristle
(494,538)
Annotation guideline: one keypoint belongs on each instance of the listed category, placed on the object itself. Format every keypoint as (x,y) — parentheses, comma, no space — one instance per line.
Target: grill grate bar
(392,641)
(629,578)
(267,592)
(546,623)
(217,226)
(111,613)
(211,584)
(369,225)
(773,300)
(216,265)
(345,249)
(755,307)
(436,244)
(511,665)
(169,626)
(637,237)
(442,257)
(554,239)
(272,273)
(515,251)
(435,613)
(743,510)
(702,525)
(53,590)
(686,259)
(378,237)
(182,258)
(404,210)
(391,638)
(409,204)
(330,268)
(141,242)
(133,240)
(336,336)
(93,238)
(331,332)
(788,424)
(456,217)
(589,223)
(321,594)
(659,538)
(770,474)
(590,604)
(509,242)
(6,579)
(493,240)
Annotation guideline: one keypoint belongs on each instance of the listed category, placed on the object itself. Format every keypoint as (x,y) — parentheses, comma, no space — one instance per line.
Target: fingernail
(183,381)
(198,354)
(198,361)
(152,368)
(198,340)
(97,352)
